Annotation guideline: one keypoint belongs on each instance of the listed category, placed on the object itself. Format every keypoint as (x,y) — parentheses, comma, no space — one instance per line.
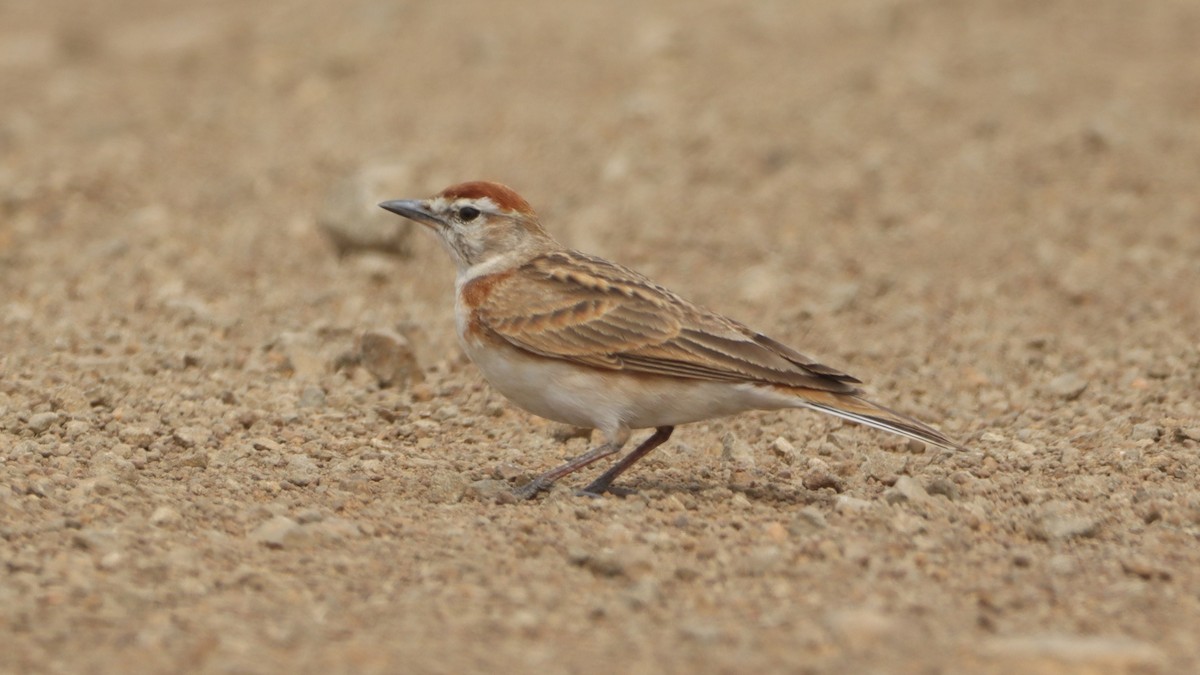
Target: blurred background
(988,210)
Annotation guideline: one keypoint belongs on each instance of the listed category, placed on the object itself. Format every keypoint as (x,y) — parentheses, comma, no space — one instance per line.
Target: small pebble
(1059,653)
(352,219)
(275,532)
(491,490)
(784,450)
(944,487)
(1060,527)
(312,396)
(1146,431)
(737,452)
(906,489)
(301,470)
(164,516)
(387,356)
(820,477)
(1068,386)
(39,422)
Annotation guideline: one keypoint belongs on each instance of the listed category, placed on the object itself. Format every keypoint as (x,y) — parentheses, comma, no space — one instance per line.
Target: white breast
(608,400)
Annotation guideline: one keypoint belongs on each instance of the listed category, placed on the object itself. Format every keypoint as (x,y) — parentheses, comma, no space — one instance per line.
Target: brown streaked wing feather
(802,360)
(570,306)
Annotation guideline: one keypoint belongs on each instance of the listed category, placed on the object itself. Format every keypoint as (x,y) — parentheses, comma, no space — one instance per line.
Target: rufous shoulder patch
(476,291)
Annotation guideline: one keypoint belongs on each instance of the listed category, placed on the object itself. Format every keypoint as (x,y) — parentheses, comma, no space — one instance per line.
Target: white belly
(610,400)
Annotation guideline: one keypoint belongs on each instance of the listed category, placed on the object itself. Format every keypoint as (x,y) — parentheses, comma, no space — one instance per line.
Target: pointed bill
(413,209)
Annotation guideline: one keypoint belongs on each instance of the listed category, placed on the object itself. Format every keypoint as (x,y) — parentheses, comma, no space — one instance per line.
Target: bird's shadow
(767,493)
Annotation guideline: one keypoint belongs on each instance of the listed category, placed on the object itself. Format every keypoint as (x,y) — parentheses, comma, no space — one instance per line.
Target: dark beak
(413,209)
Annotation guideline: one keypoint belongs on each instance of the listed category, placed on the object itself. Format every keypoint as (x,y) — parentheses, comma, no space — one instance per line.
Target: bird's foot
(598,489)
(532,488)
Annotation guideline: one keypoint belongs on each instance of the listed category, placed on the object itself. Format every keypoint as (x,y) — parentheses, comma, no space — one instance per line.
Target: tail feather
(862,411)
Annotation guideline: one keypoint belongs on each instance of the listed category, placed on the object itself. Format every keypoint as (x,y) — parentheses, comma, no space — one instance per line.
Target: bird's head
(477,222)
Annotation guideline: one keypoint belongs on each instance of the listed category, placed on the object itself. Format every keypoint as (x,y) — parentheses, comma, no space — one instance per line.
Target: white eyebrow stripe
(483,204)
(438,204)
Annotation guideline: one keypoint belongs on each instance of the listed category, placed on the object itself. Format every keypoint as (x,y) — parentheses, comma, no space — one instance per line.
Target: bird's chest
(547,387)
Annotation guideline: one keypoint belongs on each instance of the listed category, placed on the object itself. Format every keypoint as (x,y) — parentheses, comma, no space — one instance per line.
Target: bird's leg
(615,442)
(604,482)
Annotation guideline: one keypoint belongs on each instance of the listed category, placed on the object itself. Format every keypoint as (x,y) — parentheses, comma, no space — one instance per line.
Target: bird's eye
(468,213)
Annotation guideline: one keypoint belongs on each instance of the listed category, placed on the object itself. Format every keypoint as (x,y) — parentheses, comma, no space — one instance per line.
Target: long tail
(857,409)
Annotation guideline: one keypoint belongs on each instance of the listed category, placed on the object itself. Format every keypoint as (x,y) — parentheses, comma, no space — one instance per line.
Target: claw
(530,489)
(595,490)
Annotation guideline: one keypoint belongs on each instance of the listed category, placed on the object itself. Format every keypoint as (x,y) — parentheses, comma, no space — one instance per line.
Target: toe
(529,490)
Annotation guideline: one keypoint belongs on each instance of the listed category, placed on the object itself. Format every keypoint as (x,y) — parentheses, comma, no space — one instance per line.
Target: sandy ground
(986,210)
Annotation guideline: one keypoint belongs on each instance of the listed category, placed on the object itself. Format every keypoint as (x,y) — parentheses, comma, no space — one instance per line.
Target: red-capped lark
(580,340)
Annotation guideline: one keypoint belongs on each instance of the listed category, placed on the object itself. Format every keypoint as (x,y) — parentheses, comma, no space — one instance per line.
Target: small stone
(1190,433)
(701,631)
(275,532)
(389,358)
(885,467)
(784,450)
(686,572)
(446,487)
(40,487)
(775,531)
(605,562)
(860,629)
(490,490)
(104,484)
(1146,431)
(164,516)
(76,428)
(737,452)
(1145,569)
(848,504)
(1068,386)
(352,219)
(1054,653)
(819,476)
(1025,450)
(943,487)
(190,437)
(40,422)
(310,516)
(197,459)
(299,353)
(312,396)
(840,296)
(510,472)
(906,489)
(808,519)
(266,445)
(643,592)
(565,432)
(601,563)
(332,529)
(1159,371)
(136,435)
(446,412)
(761,560)
(110,561)
(94,540)
(1058,523)
(1062,565)
(301,470)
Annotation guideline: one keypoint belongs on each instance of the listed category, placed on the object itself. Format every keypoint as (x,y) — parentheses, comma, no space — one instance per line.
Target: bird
(580,340)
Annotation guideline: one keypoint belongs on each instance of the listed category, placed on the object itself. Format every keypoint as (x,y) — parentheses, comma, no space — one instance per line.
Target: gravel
(237,433)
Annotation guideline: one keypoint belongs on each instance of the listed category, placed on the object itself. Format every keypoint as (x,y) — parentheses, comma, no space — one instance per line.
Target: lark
(580,340)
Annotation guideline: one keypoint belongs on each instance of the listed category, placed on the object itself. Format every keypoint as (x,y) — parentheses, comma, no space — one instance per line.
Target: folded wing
(578,308)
